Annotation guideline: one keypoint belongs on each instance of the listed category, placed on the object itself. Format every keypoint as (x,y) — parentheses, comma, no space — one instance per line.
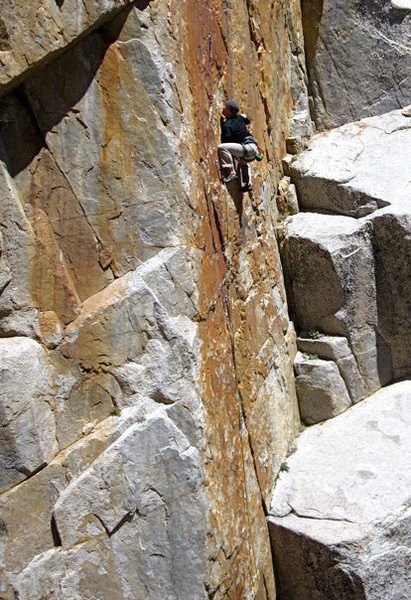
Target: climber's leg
(226,152)
(245,177)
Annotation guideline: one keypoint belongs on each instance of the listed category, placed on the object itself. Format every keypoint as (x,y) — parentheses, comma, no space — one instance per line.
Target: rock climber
(236,142)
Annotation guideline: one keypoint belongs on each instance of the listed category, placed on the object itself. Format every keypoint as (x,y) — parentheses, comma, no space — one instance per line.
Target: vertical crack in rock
(4,37)
(55,532)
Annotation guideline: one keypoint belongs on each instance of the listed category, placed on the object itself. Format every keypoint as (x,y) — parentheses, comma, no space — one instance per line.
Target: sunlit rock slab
(341,516)
(357,168)
(330,267)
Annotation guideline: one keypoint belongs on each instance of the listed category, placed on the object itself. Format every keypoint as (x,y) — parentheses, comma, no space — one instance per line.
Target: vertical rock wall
(147,396)
(358,56)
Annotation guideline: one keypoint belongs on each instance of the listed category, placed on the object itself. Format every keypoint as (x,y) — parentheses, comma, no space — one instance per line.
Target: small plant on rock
(314,334)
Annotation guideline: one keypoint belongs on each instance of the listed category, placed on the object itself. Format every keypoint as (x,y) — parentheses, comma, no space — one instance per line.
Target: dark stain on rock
(3,528)
(4,37)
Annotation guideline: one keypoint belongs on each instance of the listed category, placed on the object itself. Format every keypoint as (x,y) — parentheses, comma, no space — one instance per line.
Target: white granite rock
(322,393)
(337,349)
(27,432)
(357,168)
(360,169)
(329,264)
(358,57)
(142,496)
(341,517)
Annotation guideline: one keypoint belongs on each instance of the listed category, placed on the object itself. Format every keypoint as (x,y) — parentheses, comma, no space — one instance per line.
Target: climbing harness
(251,150)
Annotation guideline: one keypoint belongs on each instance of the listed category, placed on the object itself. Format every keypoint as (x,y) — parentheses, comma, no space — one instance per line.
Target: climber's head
(231,109)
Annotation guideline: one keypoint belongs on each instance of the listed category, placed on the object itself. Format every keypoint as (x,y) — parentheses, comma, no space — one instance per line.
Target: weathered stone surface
(26,522)
(355,153)
(123,255)
(32,33)
(322,393)
(27,433)
(331,269)
(90,401)
(131,330)
(357,58)
(341,516)
(28,532)
(151,479)
(392,228)
(337,349)
(357,168)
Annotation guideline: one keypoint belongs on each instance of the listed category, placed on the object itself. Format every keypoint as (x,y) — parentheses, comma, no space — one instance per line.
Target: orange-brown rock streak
(233,50)
(239,554)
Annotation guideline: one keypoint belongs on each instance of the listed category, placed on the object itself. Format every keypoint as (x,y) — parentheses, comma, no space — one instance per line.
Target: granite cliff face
(358,56)
(147,392)
(151,381)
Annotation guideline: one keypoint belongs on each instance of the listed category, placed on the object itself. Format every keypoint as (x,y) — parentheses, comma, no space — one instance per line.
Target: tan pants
(226,154)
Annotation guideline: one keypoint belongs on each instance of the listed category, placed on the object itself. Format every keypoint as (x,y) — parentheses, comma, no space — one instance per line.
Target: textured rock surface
(27,426)
(347,277)
(331,269)
(163,322)
(341,516)
(322,393)
(31,33)
(357,168)
(337,349)
(358,57)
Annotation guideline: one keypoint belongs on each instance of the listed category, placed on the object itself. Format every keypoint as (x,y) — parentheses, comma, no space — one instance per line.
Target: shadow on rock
(43,100)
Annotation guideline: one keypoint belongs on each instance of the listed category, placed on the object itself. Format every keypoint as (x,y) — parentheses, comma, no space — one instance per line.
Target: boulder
(338,350)
(322,393)
(357,168)
(357,58)
(329,265)
(340,519)
(337,176)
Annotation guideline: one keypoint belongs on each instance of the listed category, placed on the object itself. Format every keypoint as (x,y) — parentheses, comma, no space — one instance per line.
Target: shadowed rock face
(31,34)
(357,58)
(148,398)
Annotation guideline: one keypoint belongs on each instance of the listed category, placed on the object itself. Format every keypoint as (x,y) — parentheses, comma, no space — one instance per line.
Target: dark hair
(233,106)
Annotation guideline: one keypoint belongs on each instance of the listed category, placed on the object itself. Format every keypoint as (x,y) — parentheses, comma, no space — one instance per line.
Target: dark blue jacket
(235,130)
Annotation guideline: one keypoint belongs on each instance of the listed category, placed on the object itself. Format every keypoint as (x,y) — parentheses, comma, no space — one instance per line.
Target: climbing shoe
(247,188)
(230,177)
